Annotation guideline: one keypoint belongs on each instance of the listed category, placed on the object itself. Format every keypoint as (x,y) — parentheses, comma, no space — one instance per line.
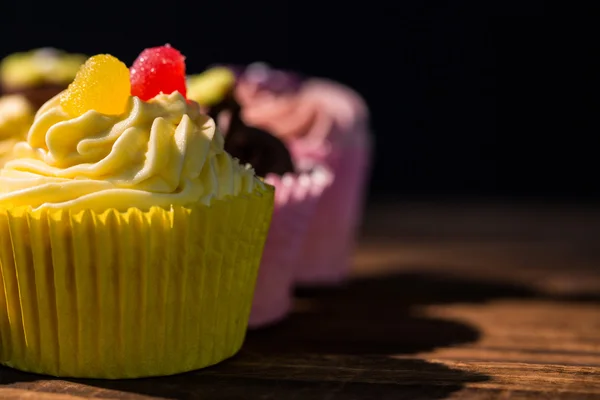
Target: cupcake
(321,122)
(129,239)
(16,116)
(38,74)
(297,192)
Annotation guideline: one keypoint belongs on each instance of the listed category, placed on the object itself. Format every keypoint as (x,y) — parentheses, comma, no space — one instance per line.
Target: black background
(467,99)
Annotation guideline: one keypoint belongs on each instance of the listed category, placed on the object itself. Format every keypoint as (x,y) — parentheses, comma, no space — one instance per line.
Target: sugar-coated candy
(102,84)
(158,70)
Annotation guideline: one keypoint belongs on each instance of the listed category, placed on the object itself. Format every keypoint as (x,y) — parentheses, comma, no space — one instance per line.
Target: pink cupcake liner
(325,258)
(296,198)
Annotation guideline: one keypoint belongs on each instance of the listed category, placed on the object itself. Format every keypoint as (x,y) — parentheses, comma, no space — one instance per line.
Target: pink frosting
(320,113)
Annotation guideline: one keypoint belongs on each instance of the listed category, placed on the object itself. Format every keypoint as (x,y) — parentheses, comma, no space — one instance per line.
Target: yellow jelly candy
(102,84)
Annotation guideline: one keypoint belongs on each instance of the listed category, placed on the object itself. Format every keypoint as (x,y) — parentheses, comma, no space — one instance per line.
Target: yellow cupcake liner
(129,294)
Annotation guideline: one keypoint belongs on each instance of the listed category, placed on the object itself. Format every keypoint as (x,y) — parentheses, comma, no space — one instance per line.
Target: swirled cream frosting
(162,152)
(16,116)
(318,111)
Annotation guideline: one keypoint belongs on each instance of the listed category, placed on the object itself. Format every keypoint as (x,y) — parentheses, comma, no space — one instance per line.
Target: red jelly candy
(158,70)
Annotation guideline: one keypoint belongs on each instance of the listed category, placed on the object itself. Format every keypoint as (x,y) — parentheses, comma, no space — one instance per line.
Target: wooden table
(451,301)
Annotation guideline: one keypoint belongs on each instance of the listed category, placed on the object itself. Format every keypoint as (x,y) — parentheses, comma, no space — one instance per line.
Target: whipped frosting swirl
(162,152)
(16,116)
(319,112)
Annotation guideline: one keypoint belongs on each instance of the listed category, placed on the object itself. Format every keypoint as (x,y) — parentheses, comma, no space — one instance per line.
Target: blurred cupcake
(321,122)
(16,116)
(298,191)
(129,239)
(38,74)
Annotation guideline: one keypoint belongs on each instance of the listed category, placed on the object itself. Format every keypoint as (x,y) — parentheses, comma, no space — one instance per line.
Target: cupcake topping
(265,152)
(272,80)
(16,116)
(211,86)
(320,113)
(158,70)
(97,147)
(102,84)
(39,67)
(214,89)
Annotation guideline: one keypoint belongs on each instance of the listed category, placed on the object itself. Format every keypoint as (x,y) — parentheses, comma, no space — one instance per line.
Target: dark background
(467,99)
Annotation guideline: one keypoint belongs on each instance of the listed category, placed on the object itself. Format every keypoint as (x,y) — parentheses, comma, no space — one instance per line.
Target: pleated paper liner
(296,196)
(129,294)
(325,258)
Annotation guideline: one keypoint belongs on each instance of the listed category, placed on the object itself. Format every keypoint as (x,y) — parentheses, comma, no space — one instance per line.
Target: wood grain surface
(448,301)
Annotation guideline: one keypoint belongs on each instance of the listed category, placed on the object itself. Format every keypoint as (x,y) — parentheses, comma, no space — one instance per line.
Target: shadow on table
(410,289)
(248,377)
(339,327)
(340,342)
(380,315)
